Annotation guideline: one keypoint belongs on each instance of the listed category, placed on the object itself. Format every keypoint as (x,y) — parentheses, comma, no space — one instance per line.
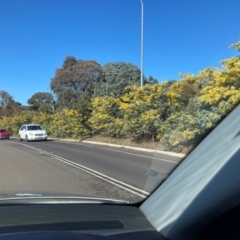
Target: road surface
(82,169)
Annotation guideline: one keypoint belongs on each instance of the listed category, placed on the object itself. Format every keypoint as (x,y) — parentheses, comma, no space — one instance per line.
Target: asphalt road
(83,169)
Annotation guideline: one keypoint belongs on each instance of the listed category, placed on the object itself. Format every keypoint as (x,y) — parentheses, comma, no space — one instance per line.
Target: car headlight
(30,134)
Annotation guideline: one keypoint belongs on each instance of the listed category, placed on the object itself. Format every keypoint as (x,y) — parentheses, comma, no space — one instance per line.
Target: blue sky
(180,36)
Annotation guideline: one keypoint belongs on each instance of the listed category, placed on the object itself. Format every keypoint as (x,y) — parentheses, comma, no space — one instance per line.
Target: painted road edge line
(137,148)
(104,177)
(114,150)
(180,155)
(129,153)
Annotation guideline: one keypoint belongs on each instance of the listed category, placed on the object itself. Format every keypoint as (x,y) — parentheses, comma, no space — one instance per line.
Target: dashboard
(75,221)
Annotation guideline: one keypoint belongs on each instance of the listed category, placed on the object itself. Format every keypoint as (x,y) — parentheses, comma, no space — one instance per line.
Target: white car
(31,132)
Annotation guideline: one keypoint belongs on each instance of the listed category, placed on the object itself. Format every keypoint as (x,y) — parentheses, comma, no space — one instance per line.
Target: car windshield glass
(33,128)
(2,130)
(122,92)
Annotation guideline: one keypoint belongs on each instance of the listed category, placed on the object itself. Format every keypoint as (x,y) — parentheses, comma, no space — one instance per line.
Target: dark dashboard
(74,221)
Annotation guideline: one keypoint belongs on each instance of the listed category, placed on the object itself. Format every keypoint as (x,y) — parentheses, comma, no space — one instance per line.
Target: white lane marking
(114,150)
(104,177)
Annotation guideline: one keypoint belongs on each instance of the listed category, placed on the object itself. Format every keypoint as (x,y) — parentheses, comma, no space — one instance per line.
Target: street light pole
(142,46)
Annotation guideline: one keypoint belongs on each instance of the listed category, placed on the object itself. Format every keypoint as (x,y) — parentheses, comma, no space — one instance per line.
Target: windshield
(2,130)
(123,91)
(33,128)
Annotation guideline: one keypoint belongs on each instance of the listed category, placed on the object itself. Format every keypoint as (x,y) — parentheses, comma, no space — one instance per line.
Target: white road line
(114,150)
(104,177)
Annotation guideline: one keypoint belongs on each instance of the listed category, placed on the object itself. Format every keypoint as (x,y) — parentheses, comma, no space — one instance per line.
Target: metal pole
(142,46)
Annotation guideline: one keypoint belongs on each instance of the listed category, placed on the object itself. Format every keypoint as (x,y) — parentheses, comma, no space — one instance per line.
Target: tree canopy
(5,99)
(236,45)
(43,102)
(75,81)
(116,77)
(7,104)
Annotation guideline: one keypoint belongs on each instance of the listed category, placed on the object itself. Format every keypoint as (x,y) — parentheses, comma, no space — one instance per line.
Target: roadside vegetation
(88,99)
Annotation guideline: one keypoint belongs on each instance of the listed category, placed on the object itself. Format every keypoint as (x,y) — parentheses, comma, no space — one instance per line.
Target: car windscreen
(34,128)
(92,115)
(2,130)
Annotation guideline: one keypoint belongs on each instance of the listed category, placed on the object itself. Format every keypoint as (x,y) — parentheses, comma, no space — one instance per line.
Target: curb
(63,139)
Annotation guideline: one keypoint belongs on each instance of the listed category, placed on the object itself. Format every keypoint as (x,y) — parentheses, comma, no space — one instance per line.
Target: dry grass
(187,150)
